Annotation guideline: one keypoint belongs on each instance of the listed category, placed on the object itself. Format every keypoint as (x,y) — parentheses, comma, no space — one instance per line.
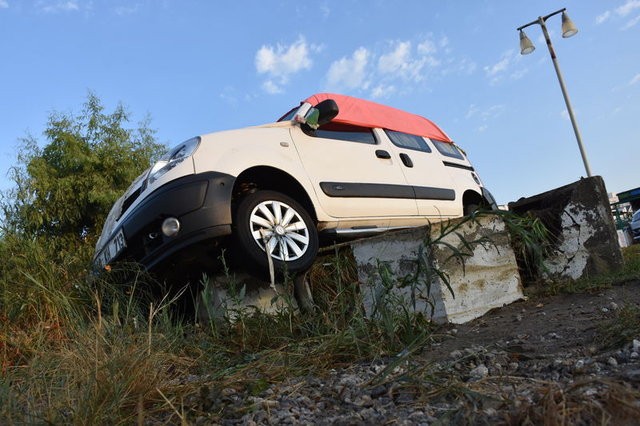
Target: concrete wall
(402,264)
(585,240)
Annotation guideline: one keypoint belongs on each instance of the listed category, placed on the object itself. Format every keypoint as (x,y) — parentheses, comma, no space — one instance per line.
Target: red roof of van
(360,112)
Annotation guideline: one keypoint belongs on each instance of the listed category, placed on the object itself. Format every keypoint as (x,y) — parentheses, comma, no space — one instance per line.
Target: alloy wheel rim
(279,227)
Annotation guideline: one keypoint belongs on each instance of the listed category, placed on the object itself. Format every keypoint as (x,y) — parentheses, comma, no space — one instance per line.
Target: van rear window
(405,140)
(448,149)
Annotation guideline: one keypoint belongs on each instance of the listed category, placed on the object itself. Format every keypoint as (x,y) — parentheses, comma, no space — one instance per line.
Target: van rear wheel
(470,208)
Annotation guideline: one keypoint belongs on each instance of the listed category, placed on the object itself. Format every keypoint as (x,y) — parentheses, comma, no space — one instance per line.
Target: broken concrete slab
(625,239)
(585,242)
(418,268)
(231,294)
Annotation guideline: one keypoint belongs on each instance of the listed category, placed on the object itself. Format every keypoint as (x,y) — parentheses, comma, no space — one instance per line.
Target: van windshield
(289,116)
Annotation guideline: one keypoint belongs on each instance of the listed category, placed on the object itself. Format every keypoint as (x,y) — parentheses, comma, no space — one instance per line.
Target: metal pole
(564,93)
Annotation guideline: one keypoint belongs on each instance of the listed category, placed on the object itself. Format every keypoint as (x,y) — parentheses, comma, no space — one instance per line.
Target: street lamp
(526,47)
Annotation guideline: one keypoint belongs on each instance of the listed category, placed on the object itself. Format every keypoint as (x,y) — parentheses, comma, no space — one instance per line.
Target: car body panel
(343,162)
(428,172)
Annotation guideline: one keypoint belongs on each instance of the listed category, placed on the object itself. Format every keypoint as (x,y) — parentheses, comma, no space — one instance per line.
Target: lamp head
(568,29)
(526,46)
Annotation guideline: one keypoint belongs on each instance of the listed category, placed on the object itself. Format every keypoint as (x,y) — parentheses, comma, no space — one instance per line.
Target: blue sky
(201,66)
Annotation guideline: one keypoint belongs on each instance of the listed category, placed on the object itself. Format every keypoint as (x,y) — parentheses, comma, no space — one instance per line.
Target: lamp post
(526,47)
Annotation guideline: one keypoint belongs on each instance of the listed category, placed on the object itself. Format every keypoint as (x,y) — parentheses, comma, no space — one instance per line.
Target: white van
(334,166)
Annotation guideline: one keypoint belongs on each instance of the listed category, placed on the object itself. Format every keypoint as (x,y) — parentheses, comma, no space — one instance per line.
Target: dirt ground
(542,327)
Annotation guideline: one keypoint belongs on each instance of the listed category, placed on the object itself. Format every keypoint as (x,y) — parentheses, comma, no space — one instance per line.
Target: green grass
(622,329)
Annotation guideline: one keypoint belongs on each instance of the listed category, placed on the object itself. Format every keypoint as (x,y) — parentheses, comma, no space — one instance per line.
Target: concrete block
(230,295)
(624,238)
(585,241)
(400,266)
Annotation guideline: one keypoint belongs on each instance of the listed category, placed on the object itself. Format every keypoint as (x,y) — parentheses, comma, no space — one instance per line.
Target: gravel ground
(524,363)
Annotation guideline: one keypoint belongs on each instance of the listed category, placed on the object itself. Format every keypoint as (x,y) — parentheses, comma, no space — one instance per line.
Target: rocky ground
(537,361)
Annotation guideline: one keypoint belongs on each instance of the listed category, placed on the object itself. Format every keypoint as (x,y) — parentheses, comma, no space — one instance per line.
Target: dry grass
(589,402)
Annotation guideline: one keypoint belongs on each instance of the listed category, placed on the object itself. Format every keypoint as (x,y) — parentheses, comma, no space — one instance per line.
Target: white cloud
(427,47)
(271,88)
(53,6)
(632,23)
(4,4)
(400,62)
(503,67)
(603,17)
(496,71)
(462,66)
(382,91)
(635,80)
(281,61)
(473,110)
(623,11)
(484,115)
(127,10)
(326,11)
(401,66)
(403,61)
(518,74)
(628,7)
(350,73)
(397,60)
(498,67)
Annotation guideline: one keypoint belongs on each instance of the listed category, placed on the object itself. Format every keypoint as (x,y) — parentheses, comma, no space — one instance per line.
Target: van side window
(406,140)
(345,132)
(448,149)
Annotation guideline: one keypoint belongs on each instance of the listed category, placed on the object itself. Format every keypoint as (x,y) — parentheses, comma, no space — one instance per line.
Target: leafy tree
(65,187)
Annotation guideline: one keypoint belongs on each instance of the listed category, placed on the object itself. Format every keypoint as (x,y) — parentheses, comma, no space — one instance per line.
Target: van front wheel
(271,221)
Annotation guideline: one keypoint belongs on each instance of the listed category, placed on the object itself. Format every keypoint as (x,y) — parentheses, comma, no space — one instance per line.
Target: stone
(455,354)
(480,372)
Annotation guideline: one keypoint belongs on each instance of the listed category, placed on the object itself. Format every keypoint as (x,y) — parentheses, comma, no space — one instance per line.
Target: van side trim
(380,190)
(427,193)
(458,166)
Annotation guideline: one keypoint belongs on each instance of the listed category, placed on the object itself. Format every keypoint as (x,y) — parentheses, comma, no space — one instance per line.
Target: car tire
(271,219)
(302,293)
(470,208)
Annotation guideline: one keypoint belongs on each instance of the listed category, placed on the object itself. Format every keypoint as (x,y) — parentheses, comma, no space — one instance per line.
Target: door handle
(381,153)
(406,160)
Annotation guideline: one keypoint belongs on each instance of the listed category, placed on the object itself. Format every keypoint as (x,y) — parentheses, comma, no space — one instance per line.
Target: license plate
(112,249)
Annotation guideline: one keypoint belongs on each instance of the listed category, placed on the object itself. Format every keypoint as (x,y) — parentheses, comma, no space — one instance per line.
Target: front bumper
(202,204)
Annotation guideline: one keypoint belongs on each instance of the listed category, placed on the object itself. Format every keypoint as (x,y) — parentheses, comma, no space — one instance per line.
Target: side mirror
(328,110)
(315,117)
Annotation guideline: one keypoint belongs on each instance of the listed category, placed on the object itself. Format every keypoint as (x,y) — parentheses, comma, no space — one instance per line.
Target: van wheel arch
(270,178)
(471,201)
